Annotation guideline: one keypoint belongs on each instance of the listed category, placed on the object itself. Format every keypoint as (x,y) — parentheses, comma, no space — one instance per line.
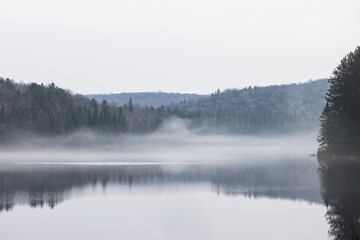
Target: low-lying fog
(172,143)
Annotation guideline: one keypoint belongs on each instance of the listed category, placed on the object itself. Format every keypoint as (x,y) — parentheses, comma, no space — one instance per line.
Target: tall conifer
(340,119)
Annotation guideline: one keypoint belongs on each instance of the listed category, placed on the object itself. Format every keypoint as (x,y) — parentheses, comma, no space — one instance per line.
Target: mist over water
(172,142)
(174,183)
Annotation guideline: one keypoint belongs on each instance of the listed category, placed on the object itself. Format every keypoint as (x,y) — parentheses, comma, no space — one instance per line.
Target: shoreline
(330,156)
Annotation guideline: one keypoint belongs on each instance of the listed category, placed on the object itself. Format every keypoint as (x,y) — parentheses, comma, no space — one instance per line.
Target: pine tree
(340,119)
(2,114)
(95,115)
(324,130)
(121,119)
(131,107)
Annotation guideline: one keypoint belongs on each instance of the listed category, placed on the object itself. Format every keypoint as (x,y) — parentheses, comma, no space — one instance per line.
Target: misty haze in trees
(274,109)
(50,110)
(155,99)
(340,118)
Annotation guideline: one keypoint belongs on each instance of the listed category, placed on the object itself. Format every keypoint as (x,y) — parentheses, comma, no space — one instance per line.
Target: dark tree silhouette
(340,128)
(50,110)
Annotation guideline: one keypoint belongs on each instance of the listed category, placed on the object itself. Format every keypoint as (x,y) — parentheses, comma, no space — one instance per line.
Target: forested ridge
(278,108)
(156,99)
(50,110)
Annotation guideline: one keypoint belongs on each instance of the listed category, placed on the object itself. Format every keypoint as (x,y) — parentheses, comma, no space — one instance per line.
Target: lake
(53,195)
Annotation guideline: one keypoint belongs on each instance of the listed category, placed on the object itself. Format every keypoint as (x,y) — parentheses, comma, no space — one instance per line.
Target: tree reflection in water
(295,179)
(39,185)
(340,181)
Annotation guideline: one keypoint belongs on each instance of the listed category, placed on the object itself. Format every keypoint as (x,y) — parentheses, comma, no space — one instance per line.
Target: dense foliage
(156,99)
(273,109)
(340,118)
(52,110)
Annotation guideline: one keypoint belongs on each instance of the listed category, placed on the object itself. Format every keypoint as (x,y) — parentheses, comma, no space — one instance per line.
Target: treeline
(273,109)
(52,110)
(156,99)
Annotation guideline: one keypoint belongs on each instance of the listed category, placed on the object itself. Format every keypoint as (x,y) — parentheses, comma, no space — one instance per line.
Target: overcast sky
(195,46)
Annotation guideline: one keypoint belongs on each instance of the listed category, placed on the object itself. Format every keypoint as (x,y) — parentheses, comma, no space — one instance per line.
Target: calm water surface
(285,198)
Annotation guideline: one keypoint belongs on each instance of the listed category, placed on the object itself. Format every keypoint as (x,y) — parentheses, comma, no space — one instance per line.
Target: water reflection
(39,185)
(341,194)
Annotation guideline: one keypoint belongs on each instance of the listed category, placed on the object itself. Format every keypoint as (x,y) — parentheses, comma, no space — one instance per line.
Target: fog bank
(172,143)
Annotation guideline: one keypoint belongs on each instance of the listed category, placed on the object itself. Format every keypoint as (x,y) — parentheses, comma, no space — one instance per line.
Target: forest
(155,99)
(51,110)
(273,109)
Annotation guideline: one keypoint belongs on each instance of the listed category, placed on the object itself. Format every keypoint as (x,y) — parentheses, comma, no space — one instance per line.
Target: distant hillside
(282,109)
(155,99)
(52,110)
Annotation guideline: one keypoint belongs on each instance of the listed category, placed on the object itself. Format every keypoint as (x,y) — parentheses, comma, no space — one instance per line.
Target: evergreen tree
(121,120)
(95,116)
(2,114)
(131,107)
(340,119)
(324,128)
(105,116)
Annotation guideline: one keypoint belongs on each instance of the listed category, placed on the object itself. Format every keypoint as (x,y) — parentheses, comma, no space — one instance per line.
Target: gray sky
(196,46)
